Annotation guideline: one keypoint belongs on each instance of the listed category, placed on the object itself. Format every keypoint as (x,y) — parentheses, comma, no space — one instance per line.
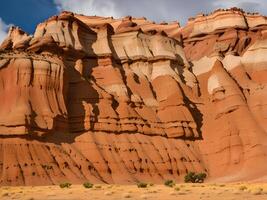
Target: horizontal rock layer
(126,100)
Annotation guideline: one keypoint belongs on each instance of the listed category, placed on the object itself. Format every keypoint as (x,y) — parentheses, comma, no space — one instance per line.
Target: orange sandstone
(126,100)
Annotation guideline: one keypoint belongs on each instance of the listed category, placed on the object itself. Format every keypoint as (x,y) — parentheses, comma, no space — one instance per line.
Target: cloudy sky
(28,13)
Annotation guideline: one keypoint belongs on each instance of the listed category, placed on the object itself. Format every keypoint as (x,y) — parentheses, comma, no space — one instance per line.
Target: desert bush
(88,185)
(200,177)
(141,185)
(177,188)
(65,185)
(192,177)
(243,187)
(169,183)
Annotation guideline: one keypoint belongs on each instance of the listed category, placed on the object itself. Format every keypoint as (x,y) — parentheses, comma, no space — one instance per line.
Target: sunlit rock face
(123,100)
(32,95)
(228,63)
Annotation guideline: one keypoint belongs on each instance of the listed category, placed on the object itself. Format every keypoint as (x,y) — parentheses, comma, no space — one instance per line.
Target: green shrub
(169,183)
(65,185)
(88,185)
(192,177)
(141,185)
(201,177)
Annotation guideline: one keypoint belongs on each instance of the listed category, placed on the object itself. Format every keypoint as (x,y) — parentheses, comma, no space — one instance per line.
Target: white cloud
(89,7)
(157,10)
(247,5)
(3,30)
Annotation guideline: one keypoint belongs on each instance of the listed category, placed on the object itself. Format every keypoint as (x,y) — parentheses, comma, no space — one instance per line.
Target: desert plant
(243,187)
(257,191)
(200,177)
(65,185)
(141,185)
(88,185)
(98,186)
(151,184)
(169,183)
(126,195)
(192,177)
(177,188)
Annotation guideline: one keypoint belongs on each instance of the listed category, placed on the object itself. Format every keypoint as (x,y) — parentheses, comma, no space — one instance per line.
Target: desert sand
(161,192)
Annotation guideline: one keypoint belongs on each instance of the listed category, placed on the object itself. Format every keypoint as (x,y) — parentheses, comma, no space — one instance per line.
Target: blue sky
(28,13)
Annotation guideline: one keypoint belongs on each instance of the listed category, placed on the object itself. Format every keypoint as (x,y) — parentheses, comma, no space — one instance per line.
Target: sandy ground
(112,192)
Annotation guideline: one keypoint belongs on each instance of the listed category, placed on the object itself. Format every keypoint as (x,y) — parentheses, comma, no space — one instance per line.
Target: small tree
(192,177)
(88,185)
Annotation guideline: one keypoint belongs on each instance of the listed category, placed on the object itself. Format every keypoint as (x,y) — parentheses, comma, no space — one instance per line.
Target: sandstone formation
(126,100)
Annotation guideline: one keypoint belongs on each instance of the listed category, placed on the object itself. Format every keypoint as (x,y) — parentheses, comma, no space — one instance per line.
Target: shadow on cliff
(195,112)
(80,97)
(191,106)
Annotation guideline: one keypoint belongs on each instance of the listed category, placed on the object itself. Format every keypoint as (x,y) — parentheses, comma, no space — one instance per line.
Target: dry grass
(144,196)
(5,194)
(257,191)
(126,195)
(243,188)
(114,192)
(108,193)
(97,186)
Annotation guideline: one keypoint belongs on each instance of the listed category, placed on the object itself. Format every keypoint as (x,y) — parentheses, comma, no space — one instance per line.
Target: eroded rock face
(32,95)
(125,100)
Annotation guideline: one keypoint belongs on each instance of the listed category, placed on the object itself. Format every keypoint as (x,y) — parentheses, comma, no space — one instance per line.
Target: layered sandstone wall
(125,100)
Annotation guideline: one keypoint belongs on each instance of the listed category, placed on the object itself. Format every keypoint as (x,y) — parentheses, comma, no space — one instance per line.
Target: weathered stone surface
(125,100)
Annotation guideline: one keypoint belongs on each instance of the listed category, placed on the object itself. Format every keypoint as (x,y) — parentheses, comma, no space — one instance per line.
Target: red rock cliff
(125,100)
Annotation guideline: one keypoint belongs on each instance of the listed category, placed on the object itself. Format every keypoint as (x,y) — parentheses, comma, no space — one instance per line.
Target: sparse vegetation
(144,196)
(108,193)
(126,195)
(141,185)
(243,187)
(193,177)
(98,186)
(65,185)
(177,188)
(88,185)
(5,194)
(257,191)
(169,183)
